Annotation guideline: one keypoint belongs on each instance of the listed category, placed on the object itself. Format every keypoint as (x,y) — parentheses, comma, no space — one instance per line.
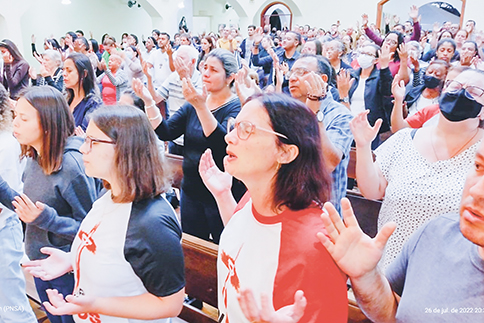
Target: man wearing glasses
(308,83)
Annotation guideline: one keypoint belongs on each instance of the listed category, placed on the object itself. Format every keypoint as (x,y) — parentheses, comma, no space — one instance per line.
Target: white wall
(19,19)
(47,18)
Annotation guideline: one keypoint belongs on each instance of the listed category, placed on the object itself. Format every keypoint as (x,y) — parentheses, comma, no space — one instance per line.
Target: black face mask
(431,82)
(458,106)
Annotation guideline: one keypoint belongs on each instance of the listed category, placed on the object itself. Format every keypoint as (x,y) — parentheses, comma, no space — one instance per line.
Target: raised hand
(215,180)
(398,89)
(402,52)
(141,91)
(363,133)
(181,68)
(245,86)
(146,67)
(316,89)
(364,20)
(258,34)
(387,19)
(413,13)
(68,306)
(478,63)
(354,252)
(344,82)
(57,264)
(266,314)
(191,94)
(436,27)
(32,73)
(385,56)
(26,210)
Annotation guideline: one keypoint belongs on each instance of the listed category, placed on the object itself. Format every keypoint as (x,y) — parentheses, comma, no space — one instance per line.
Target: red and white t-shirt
(127,249)
(277,256)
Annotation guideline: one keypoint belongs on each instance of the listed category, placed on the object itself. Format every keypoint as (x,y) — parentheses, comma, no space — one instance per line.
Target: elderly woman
(268,249)
(50,71)
(420,173)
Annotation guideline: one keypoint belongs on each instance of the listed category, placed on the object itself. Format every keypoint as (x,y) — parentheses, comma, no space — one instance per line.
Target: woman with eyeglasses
(368,87)
(127,256)
(420,173)
(268,252)
(57,193)
(202,120)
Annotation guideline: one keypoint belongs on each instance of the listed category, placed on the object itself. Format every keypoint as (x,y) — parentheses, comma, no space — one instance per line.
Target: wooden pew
(366,211)
(201,270)
(201,279)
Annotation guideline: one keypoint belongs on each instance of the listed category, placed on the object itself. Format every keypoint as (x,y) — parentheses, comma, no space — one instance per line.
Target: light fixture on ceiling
(132,3)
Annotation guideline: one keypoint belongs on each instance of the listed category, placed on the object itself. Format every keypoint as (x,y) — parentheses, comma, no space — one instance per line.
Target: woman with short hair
(50,71)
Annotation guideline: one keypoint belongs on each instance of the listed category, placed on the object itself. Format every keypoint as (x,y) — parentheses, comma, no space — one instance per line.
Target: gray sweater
(68,195)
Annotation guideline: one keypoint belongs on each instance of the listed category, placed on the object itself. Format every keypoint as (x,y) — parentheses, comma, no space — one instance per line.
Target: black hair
(86,75)
(12,48)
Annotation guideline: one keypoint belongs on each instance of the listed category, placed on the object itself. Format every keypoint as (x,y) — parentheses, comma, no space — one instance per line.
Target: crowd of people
(265,126)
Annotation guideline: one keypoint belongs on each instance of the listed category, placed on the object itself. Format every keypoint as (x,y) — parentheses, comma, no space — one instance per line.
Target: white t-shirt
(161,67)
(117,249)
(420,104)
(358,98)
(11,168)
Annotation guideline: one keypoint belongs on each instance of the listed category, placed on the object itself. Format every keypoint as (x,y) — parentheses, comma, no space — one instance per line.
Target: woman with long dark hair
(15,76)
(57,193)
(207,46)
(127,257)
(80,84)
(268,250)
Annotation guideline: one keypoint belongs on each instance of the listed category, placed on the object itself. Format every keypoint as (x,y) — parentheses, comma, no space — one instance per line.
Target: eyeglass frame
(231,121)
(306,71)
(89,140)
(465,88)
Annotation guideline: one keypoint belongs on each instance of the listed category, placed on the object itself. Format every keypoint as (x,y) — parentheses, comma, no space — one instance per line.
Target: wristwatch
(319,116)
(346,99)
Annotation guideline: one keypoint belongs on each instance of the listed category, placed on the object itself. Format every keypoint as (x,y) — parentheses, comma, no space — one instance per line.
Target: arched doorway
(278,15)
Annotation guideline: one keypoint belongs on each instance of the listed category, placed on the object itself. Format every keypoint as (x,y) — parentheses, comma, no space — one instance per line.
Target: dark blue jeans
(65,285)
(200,218)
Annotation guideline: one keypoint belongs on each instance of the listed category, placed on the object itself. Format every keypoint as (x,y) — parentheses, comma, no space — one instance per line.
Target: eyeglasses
(390,41)
(473,91)
(245,129)
(367,54)
(298,72)
(89,140)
